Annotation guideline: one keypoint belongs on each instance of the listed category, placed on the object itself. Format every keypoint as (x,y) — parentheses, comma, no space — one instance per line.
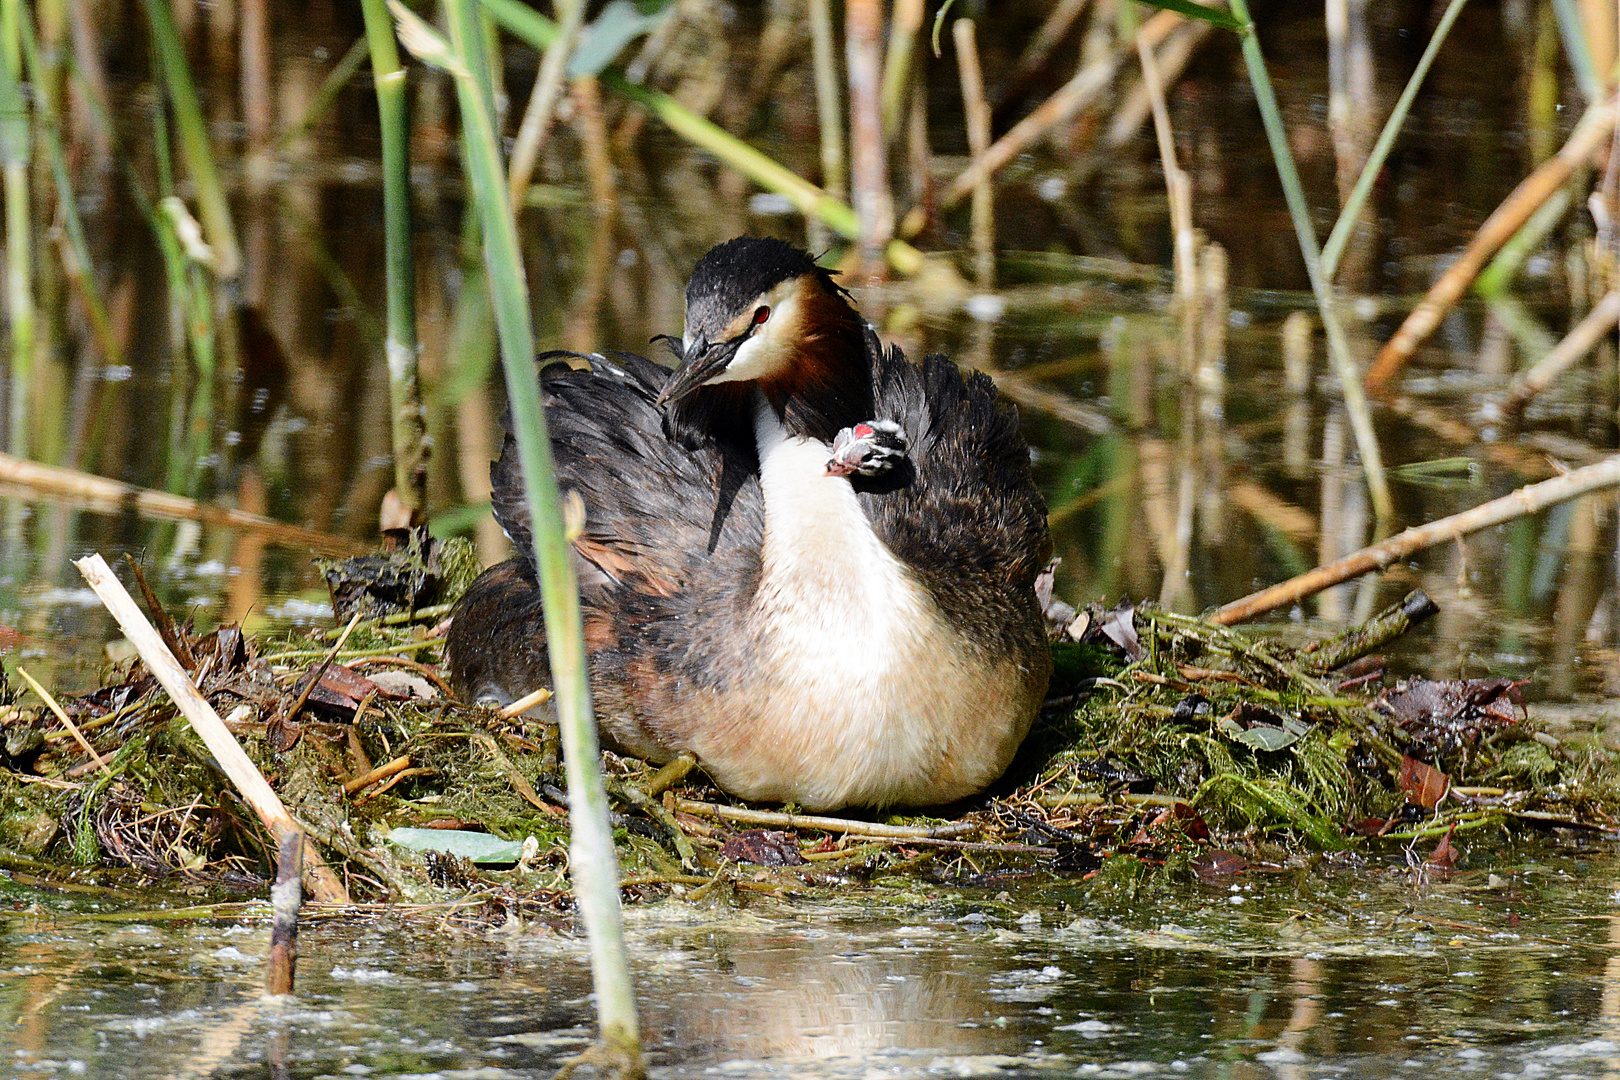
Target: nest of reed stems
(1166,742)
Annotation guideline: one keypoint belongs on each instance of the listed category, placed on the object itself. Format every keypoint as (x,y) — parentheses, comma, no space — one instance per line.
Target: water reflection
(1358,973)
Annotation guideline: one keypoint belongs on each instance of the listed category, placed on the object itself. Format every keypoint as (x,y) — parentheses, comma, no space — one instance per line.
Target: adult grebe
(805,560)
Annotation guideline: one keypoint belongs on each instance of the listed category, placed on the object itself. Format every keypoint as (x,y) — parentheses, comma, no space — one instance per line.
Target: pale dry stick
(1088,83)
(1589,135)
(976,112)
(548,85)
(1053,30)
(747,816)
(525,703)
(1177,184)
(323,885)
(72,728)
(31,479)
(873,201)
(1603,318)
(1526,500)
(1173,57)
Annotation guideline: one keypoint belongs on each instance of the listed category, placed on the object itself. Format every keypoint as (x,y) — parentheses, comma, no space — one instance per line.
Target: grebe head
(752,307)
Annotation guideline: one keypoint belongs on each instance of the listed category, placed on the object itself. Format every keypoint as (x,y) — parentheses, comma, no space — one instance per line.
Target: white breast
(868,694)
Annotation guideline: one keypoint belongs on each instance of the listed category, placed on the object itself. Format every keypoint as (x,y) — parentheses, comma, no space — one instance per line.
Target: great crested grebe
(805,560)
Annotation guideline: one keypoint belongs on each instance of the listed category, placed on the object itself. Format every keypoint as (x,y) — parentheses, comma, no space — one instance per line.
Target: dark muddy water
(1237,478)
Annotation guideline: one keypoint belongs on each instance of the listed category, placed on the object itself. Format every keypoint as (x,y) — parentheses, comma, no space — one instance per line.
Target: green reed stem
(409,428)
(14,157)
(212,206)
(81,271)
(1340,236)
(1344,365)
(593,862)
(523,21)
(326,95)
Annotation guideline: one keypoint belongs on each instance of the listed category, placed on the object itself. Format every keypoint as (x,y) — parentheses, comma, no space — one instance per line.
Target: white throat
(826,575)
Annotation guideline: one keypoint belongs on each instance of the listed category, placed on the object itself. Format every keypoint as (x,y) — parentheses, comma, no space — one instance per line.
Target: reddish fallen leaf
(1214,865)
(339,688)
(1191,822)
(1369,826)
(1445,856)
(9,638)
(1423,783)
(764,848)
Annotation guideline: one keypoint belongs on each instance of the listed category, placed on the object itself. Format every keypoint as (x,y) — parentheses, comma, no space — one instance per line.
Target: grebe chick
(805,560)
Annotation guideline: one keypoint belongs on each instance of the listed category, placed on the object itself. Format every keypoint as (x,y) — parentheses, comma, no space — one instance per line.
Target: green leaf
(477,846)
(620,23)
(1214,16)
(1261,729)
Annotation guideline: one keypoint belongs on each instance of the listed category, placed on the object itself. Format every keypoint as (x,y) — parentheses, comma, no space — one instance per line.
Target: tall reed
(1344,365)
(593,863)
(408,428)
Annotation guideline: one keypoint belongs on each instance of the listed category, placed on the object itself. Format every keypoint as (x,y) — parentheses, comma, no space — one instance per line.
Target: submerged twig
(114,496)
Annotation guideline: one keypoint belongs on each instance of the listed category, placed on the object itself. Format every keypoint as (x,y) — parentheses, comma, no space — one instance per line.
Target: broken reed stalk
(1374,166)
(1597,325)
(976,114)
(15,142)
(286,897)
(1589,136)
(538,31)
(194,146)
(33,480)
(543,97)
(409,428)
(324,885)
(1527,500)
(868,150)
(1344,365)
(593,863)
(747,816)
(62,716)
(1178,186)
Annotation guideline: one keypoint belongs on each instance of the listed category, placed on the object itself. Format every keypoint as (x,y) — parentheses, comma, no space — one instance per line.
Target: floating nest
(1167,742)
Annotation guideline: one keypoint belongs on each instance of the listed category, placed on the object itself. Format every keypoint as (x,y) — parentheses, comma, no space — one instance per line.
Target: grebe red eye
(761,315)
